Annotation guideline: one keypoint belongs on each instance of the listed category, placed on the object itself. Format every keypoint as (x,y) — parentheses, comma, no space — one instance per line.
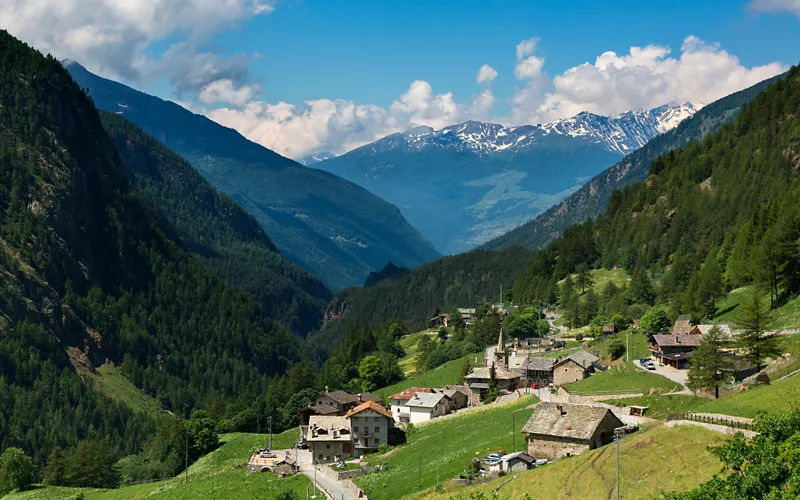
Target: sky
(306,77)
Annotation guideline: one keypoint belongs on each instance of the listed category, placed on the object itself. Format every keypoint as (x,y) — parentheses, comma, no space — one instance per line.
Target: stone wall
(554,447)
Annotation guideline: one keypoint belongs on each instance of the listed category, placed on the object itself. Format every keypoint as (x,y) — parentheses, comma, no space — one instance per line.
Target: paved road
(677,376)
(333,489)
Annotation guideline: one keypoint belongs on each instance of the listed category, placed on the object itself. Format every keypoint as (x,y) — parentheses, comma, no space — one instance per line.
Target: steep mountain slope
(90,272)
(723,208)
(464,280)
(217,230)
(467,183)
(329,226)
(590,199)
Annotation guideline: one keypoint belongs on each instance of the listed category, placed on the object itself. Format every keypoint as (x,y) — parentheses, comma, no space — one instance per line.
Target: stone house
(458,396)
(340,400)
(538,371)
(674,350)
(574,368)
(425,406)
(370,424)
(400,412)
(557,430)
(329,439)
(307,413)
(513,462)
(479,379)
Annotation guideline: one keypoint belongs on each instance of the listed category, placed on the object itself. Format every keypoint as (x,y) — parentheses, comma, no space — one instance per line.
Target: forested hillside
(329,226)
(217,231)
(464,280)
(717,214)
(90,272)
(591,199)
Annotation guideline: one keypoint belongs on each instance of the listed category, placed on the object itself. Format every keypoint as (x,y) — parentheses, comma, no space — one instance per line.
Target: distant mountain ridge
(468,183)
(327,225)
(590,200)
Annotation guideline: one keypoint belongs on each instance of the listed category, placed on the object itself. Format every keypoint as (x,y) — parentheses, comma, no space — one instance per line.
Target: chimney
(326,389)
(560,409)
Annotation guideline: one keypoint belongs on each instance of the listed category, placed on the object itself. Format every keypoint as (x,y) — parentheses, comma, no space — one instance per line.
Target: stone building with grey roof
(557,430)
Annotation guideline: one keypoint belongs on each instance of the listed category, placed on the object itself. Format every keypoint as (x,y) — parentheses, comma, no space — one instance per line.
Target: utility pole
(628,345)
(270,433)
(617,438)
(513,434)
(419,472)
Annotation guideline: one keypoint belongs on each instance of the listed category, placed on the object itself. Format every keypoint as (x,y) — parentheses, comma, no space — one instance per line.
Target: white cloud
(486,74)
(224,91)
(529,68)
(110,36)
(791,6)
(526,47)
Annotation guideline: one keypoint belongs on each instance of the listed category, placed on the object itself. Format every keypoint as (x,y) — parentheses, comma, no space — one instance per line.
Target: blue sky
(370,51)
(309,76)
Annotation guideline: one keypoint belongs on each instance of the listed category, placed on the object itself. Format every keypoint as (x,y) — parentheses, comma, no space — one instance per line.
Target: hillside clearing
(448,373)
(620,379)
(445,448)
(653,460)
(111,382)
(221,475)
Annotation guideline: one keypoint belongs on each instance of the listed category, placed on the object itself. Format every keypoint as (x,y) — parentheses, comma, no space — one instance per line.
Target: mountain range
(325,224)
(590,200)
(468,183)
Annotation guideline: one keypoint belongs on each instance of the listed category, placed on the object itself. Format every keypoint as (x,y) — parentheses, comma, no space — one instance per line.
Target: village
(339,431)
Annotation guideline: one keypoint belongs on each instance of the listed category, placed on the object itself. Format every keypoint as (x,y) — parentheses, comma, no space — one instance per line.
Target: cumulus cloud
(486,74)
(792,6)
(110,36)
(526,47)
(225,92)
(644,78)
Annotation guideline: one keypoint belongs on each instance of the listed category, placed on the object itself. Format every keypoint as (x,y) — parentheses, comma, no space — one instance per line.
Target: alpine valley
(468,183)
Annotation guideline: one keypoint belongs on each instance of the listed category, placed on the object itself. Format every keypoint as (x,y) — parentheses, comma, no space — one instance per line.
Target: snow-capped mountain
(622,133)
(464,184)
(316,158)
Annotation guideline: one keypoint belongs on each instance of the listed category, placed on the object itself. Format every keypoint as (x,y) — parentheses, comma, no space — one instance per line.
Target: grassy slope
(655,459)
(446,374)
(221,475)
(623,376)
(111,382)
(601,277)
(409,345)
(787,316)
(447,445)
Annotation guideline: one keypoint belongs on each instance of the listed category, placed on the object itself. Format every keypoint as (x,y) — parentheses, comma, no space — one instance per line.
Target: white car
(649,365)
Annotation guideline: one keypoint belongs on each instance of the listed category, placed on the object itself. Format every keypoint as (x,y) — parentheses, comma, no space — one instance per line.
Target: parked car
(267,454)
(643,361)
(302,445)
(494,457)
(649,365)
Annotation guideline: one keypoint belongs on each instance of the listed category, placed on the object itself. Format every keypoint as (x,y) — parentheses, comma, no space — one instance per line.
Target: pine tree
(466,368)
(709,366)
(641,288)
(756,344)
(709,286)
(584,278)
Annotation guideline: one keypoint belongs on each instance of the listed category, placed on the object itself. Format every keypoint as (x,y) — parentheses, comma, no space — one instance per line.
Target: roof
(677,356)
(425,400)
(521,455)
(464,310)
(484,373)
(539,364)
(451,390)
(567,420)
(479,385)
(328,428)
(682,325)
(670,340)
(369,405)
(704,329)
(409,393)
(368,396)
(584,358)
(342,397)
(322,409)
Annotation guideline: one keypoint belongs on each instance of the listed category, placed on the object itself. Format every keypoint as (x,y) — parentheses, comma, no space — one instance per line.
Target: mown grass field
(448,373)
(409,345)
(446,447)
(620,379)
(220,475)
(653,460)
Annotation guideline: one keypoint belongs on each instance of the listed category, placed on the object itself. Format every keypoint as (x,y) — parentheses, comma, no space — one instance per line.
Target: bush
(614,348)
(579,337)
(16,470)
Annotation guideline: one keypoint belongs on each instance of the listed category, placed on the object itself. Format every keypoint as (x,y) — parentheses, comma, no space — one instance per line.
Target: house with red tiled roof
(399,402)
(370,425)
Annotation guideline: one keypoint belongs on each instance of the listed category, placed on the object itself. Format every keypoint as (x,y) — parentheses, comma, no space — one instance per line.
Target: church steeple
(500,354)
(501,346)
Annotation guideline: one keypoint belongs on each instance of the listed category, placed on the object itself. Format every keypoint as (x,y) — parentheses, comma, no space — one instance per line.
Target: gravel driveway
(678,376)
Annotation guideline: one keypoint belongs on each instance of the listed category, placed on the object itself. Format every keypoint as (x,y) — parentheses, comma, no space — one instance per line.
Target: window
(327,446)
(377,440)
(377,429)
(355,429)
(377,419)
(320,456)
(355,419)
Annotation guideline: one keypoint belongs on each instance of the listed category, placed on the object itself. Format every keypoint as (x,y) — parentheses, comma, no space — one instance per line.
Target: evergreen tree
(756,344)
(466,368)
(709,286)
(584,278)
(641,288)
(709,366)
(91,465)
(54,472)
